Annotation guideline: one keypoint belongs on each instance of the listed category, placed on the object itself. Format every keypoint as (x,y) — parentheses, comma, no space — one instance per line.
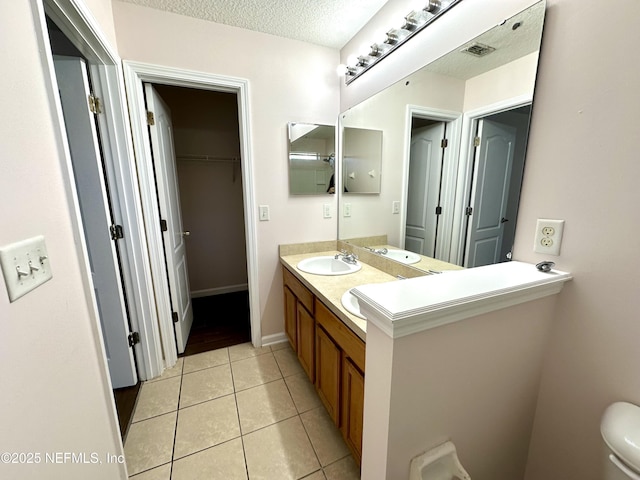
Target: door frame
(135,75)
(465,173)
(79,25)
(453,120)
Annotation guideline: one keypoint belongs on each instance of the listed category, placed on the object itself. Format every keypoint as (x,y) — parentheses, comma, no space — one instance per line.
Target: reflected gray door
(425,170)
(490,192)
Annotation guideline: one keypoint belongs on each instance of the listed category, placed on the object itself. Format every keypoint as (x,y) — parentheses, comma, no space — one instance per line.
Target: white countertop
(408,306)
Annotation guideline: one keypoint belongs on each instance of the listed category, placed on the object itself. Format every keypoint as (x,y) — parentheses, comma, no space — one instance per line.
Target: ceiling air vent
(479,50)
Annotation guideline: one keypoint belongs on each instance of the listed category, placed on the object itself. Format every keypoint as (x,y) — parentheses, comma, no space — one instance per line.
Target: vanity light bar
(414,23)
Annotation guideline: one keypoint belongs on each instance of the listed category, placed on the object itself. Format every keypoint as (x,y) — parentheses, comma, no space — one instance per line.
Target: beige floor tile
(159,473)
(324,435)
(345,469)
(254,371)
(281,451)
(149,443)
(174,371)
(246,350)
(209,359)
(205,385)
(205,425)
(157,398)
(264,405)
(279,346)
(319,475)
(303,392)
(225,461)
(288,362)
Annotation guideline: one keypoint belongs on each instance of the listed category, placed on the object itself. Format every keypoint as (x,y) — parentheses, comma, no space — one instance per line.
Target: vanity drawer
(302,293)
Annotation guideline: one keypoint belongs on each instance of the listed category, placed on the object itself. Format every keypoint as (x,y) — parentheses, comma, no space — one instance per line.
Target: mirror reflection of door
(425,178)
(495,192)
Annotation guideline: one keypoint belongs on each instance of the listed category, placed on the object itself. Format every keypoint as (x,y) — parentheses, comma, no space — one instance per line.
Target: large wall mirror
(455,135)
(311,158)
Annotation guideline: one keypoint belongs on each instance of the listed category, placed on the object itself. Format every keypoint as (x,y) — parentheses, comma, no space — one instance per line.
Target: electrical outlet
(326,208)
(347,209)
(548,236)
(395,207)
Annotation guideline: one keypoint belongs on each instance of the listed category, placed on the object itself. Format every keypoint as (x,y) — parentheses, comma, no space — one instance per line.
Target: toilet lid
(620,429)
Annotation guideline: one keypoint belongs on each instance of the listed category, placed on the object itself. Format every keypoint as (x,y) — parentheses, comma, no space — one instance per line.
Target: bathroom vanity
(461,351)
(329,340)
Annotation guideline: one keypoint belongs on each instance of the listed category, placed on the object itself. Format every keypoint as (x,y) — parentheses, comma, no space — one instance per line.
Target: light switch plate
(264,213)
(326,210)
(25,266)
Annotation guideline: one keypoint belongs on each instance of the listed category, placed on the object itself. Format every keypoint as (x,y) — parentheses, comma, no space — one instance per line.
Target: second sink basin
(350,303)
(327,265)
(402,256)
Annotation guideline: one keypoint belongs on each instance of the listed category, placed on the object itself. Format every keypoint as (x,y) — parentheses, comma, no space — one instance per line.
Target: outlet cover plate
(548,236)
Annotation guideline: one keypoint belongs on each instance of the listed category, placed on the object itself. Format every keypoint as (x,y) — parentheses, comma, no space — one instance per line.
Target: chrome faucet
(381,251)
(347,257)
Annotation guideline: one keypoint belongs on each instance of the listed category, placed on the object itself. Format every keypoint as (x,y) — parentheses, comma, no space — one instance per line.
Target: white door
(490,192)
(425,170)
(74,90)
(164,159)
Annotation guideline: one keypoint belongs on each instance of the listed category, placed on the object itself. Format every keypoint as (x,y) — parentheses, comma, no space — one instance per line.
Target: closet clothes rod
(208,158)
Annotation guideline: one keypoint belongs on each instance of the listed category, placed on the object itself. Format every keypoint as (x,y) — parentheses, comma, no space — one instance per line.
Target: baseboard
(274,339)
(219,290)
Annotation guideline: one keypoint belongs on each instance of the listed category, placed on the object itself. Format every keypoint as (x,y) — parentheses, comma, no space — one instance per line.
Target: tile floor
(235,413)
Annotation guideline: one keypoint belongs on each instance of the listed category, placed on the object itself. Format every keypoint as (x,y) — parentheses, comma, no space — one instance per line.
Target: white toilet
(620,429)
(439,463)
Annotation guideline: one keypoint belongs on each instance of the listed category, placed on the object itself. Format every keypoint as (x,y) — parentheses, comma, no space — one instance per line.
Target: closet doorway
(195,142)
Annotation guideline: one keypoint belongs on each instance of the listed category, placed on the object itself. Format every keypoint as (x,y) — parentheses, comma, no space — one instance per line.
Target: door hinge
(476,142)
(134,337)
(163,225)
(444,143)
(174,316)
(438,210)
(151,119)
(116,232)
(95,106)
(468,211)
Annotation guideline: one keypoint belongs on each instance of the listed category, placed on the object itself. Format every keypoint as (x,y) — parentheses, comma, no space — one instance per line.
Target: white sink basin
(402,256)
(350,302)
(328,265)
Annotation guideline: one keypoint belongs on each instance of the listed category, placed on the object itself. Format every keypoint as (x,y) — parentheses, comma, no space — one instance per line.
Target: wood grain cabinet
(340,356)
(332,355)
(299,321)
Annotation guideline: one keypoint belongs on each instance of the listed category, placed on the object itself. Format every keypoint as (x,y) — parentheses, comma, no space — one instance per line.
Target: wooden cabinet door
(306,326)
(328,366)
(290,317)
(352,407)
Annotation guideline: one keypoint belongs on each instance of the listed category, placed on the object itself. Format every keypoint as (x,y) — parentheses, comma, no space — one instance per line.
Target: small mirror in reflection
(362,160)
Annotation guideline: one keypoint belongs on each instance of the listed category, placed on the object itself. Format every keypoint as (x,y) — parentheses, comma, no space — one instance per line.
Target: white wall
(473,382)
(583,154)
(290,81)
(56,391)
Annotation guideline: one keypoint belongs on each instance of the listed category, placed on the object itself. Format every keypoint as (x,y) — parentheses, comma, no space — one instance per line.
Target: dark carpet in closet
(219,321)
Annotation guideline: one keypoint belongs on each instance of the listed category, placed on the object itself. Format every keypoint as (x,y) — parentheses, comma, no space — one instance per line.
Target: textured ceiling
(331,23)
